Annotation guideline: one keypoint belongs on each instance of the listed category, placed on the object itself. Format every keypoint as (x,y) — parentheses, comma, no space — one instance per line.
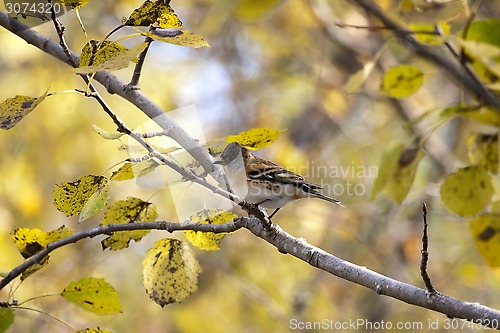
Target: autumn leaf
(170,271)
(94,295)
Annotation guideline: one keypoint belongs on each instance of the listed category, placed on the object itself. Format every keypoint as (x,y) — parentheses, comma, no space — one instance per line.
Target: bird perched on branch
(268,184)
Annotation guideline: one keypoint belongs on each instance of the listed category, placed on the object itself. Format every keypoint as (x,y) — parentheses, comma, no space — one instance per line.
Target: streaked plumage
(270,185)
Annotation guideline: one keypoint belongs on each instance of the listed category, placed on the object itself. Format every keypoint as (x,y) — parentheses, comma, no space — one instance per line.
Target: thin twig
(425,254)
(134,82)
(461,74)
(383,27)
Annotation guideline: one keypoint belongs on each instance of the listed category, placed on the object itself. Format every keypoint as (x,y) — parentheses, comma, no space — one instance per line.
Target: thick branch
(461,74)
(383,285)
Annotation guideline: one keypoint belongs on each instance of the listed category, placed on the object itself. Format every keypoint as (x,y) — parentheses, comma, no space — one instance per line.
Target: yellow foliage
(94,295)
(486,232)
(127,211)
(256,138)
(170,271)
(208,240)
(468,191)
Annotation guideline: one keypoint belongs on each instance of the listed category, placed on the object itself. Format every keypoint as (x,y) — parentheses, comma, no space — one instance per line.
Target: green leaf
(486,232)
(486,31)
(402,81)
(135,170)
(127,211)
(468,191)
(255,138)
(208,241)
(14,109)
(70,197)
(95,204)
(94,295)
(483,151)
(31,241)
(154,13)
(387,167)
(115,59)
(6,319)
(170,271)
(177,37)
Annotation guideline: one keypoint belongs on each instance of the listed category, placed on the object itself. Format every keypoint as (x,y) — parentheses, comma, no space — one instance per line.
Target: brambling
(268,184)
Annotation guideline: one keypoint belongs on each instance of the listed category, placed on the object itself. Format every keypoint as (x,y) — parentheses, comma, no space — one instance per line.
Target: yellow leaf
(107,135)
(402,81)
(95,204)
(31,241)
(430,38)
(254,9)
(112,59)
(70,197)
(170,271)
(94,295)
(75,4)
(468,191)
(483,151)
(486,232)
(256,138)
(127,211)
(177,37)
(154,13)
(208,241)
(135,170)
(14,109)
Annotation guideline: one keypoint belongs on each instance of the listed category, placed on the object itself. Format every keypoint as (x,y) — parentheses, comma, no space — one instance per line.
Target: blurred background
(281,64)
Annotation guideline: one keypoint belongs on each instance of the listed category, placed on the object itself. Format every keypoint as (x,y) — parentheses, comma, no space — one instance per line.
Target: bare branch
(383,285)
(462,75)
(425,254)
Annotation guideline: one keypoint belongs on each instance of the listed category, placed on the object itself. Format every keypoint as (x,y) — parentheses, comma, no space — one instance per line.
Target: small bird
(269,185)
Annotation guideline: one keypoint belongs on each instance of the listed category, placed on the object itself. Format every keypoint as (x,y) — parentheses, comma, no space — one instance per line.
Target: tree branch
(116,86)
(383,285)
(108,229)
(452,66)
